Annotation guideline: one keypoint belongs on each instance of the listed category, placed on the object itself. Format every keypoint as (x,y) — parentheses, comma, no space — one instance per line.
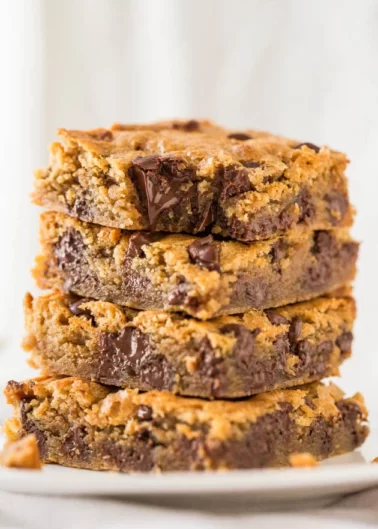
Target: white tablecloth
(36,512)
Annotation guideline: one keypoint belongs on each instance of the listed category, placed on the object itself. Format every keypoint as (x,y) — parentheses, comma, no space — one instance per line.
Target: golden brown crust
(89,177)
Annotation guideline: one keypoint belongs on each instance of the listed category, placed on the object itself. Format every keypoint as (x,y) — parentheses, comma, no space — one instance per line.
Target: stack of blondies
(200,290)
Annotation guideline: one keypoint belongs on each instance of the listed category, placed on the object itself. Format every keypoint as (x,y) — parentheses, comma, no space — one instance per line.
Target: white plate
(260,488)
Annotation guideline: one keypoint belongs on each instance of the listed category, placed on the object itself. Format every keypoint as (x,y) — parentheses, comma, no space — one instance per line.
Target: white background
(300,68)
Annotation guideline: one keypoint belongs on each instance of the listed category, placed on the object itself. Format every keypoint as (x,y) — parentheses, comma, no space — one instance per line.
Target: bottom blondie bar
(87,425)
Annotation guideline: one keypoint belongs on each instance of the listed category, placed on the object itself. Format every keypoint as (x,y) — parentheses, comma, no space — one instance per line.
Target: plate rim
(275,481)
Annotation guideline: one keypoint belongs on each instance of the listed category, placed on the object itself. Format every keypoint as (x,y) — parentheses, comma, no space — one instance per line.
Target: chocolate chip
(148,163)
(74,443)
(325,244)
(135,456)
(68,249)
(309,145)
(275,317)
(235,181)
(244,350)
(80,209)
(144,413)
(190,126)
(179,295)
(162,183)
(205,253)
(207,217)
(74,304)
(325,348)
(307,207)
(344,342)
(277,253)
(137,240)
(245,339)
(130,351)
(251,164)
(105,136)
(209,363)
(303,351)
(295,329)
(241,136)
(337,206)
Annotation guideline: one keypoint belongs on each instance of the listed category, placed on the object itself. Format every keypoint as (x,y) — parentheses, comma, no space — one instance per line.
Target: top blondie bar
(195,176)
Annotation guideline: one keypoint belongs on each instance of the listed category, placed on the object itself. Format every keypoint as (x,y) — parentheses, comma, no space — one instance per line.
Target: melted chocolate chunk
(307,208)
(309,145)
(326,248)
(135,458)
(29,426)
(295,329)
(337,206)
(137,240)
(209,364)
(205,253)
(303,351)
(68,249)
(74,304)
(179,295)
(144,413)
(80,209)
(325,348)
(244,350)
(325,244)
(162,183)
(344,342)
(241,136)
(277,253)
(235,181)
(74,443)
(275,317)
(130,351)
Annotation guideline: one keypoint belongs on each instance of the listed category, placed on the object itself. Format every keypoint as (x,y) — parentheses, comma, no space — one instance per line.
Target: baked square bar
(200,276)
(86,425)
(193,176)
(228,357)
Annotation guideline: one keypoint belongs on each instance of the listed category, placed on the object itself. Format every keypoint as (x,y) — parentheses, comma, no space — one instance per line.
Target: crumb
(375,460)
(303,459)
(23,453)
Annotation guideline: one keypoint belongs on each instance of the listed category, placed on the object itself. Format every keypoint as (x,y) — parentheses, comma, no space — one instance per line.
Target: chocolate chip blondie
(86,425)
(228,357)
(200,276)
(193,176)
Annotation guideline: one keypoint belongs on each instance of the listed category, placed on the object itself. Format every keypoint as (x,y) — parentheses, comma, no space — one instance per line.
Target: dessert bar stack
(199,291)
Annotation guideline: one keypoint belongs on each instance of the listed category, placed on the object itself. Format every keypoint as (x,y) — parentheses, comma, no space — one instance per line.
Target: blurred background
(305,69)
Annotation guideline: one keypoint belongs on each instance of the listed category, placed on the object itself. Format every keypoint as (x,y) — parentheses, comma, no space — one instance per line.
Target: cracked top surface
(207,142)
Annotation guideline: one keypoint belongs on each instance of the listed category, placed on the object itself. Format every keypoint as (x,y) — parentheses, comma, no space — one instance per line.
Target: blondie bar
(228,357)
(86,425)
(191,176)
(200,276)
